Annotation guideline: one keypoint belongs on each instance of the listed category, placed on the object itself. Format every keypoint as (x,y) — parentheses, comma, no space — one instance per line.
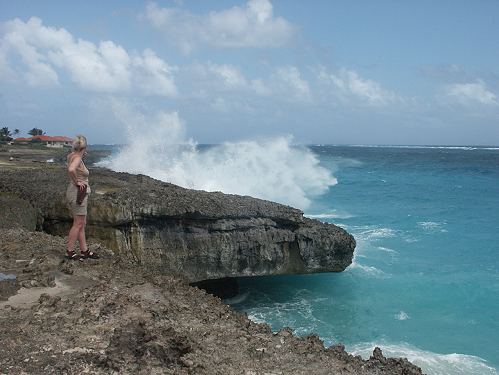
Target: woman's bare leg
(74,232)
(81,236)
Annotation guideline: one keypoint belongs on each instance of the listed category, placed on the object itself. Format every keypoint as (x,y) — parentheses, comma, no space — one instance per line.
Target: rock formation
(169,229)
(96,320)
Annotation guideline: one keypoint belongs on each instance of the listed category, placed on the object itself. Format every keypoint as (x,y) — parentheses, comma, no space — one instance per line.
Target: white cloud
(347,84)
(6,72)
(471,93)
(106,67)
(38,72)
(153,75)
(210,77)
(253,25)
(285,83)
(291,83)
(97,68)
(230,75)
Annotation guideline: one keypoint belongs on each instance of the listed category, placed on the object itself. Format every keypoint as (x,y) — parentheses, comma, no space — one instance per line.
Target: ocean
(424,282)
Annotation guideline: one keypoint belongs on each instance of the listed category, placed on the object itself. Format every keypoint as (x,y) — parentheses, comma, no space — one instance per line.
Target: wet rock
(378,355)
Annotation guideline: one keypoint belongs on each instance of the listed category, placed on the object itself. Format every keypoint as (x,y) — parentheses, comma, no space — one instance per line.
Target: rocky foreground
(108,316)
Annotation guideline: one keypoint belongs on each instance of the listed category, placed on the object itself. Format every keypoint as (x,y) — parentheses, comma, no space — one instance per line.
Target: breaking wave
(269,169)
(430,363)
(364,270)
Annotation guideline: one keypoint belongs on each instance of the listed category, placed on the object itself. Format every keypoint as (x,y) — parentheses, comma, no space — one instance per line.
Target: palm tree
(35,132)
(5,134)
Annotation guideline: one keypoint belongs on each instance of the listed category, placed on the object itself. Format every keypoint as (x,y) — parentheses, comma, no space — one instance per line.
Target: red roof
(57,138)
(46,138)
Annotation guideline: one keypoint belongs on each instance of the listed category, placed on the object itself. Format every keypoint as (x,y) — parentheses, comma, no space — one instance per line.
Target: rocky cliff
(85,317)
(195,234)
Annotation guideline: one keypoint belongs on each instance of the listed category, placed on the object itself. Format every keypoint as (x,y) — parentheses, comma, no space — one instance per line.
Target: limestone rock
(16,212)
(196,234)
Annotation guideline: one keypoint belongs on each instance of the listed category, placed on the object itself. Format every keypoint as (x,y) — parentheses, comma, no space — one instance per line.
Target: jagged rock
(8,287)
(134,342)
(114,317)
(378,355)
(196,234)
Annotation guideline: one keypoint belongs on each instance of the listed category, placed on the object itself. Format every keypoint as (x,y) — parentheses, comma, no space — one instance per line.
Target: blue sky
(338,72)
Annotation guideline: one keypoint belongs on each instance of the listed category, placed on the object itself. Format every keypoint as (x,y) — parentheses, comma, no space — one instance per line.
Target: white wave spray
(268,169)
(430,362)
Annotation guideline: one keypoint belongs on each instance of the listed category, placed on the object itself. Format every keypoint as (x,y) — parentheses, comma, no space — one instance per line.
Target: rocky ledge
(163,227)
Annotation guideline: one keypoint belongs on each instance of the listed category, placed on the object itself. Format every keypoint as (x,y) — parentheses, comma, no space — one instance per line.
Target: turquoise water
(424,283)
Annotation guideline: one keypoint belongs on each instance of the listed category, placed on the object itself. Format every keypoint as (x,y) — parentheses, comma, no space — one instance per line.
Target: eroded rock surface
(197,234)
(16,212)
(113,317)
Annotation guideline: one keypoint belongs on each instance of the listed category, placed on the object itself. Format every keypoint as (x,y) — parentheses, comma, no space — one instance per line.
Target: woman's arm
(72,166)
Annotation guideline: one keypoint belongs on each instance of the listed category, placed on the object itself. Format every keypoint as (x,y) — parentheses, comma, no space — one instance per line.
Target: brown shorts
(71,193)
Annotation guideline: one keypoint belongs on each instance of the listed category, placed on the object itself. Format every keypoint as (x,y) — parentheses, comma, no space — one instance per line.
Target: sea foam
(432,226)
(430,362)
(402,315)
(297,312)
(386,249)
(271,169)
(333,214)
(365,270)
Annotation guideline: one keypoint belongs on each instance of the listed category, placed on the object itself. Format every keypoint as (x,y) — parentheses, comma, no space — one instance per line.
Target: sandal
(71,255)
(89,254)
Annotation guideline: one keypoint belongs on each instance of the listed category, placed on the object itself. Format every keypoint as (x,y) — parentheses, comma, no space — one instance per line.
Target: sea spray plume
(155,144)
(271,169)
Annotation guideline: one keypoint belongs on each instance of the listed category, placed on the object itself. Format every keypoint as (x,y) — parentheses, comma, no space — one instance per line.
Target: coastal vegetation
(6,135)
(35,131)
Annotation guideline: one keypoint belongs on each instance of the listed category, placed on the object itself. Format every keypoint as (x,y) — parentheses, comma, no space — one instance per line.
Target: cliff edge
(195,234)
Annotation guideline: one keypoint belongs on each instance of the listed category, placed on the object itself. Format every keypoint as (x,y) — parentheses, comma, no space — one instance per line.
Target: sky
(320,72)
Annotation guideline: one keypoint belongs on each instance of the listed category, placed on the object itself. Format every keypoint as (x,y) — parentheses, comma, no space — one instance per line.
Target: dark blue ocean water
(424,283)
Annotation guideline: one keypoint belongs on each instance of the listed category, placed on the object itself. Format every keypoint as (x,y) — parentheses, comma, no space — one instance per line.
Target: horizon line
(338,145)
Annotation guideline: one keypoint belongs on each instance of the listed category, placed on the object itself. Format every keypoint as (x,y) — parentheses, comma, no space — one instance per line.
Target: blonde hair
(79,143)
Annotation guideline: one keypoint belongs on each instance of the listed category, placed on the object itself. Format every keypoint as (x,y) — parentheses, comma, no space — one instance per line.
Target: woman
(77,198)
